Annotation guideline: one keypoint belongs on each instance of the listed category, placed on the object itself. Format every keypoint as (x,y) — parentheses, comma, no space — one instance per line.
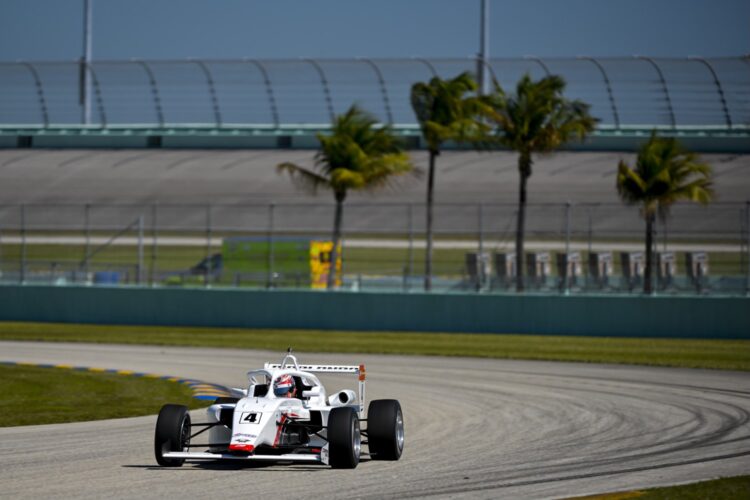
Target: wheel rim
(185,434)
(357,439)
(400,430)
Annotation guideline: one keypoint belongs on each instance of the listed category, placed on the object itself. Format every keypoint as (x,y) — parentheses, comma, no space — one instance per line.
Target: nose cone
(247,448)
(249,421)
(243,442)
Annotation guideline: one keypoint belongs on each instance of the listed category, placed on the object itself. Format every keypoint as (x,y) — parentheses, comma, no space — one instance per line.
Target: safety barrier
(606,316)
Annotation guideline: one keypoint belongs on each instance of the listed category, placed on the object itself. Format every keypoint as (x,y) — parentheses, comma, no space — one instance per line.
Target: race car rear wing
(360,370)
(290,361)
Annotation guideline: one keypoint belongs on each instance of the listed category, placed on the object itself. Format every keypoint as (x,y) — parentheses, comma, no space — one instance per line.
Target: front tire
(344,438)
(172,434)
(385,429)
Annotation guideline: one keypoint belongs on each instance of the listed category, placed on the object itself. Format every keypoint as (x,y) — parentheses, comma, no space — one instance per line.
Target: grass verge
(714,354)
(736,488)
(35,395)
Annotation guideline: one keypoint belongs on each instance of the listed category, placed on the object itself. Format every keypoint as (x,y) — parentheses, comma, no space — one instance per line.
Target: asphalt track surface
(474,428)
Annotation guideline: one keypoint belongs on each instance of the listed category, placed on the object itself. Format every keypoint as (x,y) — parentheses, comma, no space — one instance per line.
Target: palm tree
(664,173)
(537,119)
(356,155)
(446,110)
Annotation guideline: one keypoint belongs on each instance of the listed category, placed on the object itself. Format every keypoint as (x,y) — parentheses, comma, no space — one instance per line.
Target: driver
(284,387)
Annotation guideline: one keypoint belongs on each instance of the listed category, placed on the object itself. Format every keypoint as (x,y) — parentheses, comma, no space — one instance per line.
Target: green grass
(377,261)
(734,488)
(390,261)
(714,354)
(34,395)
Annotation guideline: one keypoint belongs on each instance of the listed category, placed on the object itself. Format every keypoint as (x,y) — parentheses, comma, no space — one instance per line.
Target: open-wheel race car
(285,415)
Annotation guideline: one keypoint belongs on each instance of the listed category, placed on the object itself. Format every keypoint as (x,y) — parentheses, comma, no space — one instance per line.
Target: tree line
(535,119)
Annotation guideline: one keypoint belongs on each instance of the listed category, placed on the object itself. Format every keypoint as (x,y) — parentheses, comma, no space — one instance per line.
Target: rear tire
(172,434)
(344,438)
(385,429)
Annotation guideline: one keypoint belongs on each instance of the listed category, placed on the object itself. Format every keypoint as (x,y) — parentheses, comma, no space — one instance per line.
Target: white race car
(304,424)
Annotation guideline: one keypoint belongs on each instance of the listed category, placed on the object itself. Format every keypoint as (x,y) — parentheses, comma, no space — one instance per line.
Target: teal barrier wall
(705,140)
(594,315)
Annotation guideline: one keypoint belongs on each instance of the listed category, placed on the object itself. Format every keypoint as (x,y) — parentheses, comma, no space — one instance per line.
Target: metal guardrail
(624,92)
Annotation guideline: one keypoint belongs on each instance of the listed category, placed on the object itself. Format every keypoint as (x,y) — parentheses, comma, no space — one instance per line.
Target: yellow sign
(320,263)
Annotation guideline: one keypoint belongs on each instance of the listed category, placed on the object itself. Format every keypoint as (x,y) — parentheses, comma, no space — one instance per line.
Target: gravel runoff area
(474,428)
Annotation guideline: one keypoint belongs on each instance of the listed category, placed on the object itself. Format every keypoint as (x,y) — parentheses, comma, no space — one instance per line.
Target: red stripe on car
(280,426)
(241,447)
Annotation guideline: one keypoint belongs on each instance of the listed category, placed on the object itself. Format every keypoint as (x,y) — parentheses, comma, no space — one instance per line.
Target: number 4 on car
(285,415)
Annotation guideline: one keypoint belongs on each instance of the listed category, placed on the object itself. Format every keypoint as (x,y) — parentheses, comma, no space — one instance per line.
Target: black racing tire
(344,438)
(225,400)
(385,429)
(172,434)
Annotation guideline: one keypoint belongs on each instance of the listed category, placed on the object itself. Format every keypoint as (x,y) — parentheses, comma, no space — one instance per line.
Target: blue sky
(166,29)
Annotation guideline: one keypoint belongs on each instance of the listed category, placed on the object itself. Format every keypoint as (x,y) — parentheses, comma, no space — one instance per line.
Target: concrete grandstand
(198,142)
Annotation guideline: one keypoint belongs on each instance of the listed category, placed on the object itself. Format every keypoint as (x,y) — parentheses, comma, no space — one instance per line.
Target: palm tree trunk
(524,168)
(428,229)
(647,288)
(340,197)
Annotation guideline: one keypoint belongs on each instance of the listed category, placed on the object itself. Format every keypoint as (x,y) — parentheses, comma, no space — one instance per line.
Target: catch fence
(639,92)
(571,248)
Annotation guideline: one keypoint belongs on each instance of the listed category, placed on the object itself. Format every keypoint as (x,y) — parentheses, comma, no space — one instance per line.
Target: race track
(474,428)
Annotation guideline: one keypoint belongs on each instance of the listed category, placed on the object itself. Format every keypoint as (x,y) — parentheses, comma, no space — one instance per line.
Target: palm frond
(447,110)
(303,177)
(666,173)
(357,154)
(537,118)
(383,170)
(344,179)
(630,185)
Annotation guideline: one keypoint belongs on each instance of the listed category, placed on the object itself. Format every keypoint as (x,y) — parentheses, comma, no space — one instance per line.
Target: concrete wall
(625,316)
(699,140)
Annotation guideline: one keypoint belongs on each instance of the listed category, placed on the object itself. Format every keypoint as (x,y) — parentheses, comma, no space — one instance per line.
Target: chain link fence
(570,248)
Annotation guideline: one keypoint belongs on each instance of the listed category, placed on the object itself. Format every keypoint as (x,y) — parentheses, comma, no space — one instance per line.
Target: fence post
(154,243)
(139,274)
(208,246)
(410,219)
(22,273)
(480,228)
(87,245)
(566,289)
(270,280)
(480,253)
(747,247)
(585,263)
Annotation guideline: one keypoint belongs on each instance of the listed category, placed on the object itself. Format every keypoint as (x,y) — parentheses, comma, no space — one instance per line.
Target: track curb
(201,390)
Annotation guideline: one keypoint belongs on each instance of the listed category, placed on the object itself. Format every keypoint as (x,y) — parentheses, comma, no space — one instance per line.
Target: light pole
(85,72)
(484,47)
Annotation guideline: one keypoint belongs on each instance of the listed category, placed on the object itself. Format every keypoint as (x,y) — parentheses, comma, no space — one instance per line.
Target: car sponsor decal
(252,417)
(244,438)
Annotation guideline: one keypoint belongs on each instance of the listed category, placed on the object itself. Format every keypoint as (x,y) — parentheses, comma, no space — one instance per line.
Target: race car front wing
(321,457)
